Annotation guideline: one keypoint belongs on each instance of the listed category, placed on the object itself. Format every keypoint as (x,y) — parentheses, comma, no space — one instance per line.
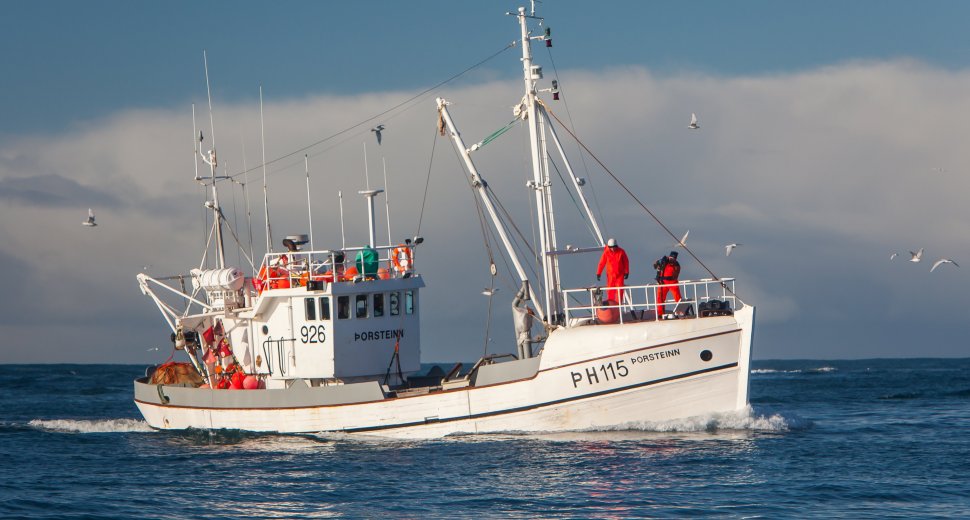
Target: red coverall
(669,275)
(617,268)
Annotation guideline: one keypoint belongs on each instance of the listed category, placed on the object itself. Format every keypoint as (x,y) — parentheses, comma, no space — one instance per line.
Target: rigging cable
(634,197)
(582,156)
(480,212)
(395,107)
(427,182)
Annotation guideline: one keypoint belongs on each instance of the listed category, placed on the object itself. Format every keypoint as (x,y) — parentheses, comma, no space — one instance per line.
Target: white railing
(640,302)
(297,268)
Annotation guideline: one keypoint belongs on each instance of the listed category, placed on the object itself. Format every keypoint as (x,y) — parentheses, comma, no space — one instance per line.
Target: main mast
(540,174)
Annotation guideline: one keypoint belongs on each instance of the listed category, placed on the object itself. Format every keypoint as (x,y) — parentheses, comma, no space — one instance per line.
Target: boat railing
(699,298)
(288,269)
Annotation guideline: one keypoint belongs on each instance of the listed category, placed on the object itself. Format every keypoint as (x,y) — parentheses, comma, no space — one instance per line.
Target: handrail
(643,298)
(296,268)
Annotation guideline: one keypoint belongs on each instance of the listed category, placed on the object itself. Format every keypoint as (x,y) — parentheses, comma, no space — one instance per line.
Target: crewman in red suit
(617,266)
(668,272)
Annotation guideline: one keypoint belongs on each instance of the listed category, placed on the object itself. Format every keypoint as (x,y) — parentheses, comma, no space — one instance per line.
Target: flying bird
(894,255)
(489,292)
(917,256)
(377,130)
(943,261)
(693,122)
(90,221)
(683,240)
(728,248)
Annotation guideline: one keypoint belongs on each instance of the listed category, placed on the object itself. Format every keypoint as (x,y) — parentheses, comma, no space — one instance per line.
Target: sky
(831,137)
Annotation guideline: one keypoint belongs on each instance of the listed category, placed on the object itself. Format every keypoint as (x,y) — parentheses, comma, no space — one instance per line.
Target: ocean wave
(85,426)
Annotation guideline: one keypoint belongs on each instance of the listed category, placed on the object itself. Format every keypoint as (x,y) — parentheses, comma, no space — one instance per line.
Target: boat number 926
(313,334)
(596,374)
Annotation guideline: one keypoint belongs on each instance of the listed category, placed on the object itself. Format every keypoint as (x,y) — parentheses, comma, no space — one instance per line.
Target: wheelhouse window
(361,306)
(378,305)
(310,307)
(324,307)
(409,302)
(343,307)
(395,303)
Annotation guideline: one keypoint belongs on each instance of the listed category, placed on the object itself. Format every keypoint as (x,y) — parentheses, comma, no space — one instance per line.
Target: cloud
(54,191)
(820,173)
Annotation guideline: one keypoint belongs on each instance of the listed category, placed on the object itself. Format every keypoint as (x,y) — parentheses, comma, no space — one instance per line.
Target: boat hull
(597,377)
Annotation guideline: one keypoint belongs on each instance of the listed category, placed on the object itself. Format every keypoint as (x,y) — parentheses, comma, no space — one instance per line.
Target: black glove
(627,275)
(597,278)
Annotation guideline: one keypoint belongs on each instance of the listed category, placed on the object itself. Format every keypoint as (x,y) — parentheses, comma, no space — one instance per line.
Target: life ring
(401,258)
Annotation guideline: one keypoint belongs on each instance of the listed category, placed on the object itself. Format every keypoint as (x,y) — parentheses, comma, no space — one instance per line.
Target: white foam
(740,420)
(82,426)
(774,371)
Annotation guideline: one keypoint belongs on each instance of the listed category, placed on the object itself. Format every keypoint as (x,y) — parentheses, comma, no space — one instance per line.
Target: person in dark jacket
(668,273)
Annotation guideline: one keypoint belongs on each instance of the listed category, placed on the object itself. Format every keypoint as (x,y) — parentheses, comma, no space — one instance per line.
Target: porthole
(265,329)
(706,355)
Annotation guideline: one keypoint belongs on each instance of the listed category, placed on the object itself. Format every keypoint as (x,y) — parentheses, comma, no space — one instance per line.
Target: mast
(540,174)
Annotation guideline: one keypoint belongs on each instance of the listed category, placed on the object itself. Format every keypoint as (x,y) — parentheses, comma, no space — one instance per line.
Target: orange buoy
(251,382)
(350,273)
(608,315)
(237,381)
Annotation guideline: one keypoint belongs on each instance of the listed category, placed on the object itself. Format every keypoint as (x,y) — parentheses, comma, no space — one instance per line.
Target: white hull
(593,377)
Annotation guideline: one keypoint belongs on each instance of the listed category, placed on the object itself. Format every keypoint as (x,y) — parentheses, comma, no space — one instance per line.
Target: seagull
(728,248)
(693,122)
(683,240)
(917,256)
(938,170)
(943,261)
(90,221)
(489,292)
(151,349)
(892,256)
(377,130)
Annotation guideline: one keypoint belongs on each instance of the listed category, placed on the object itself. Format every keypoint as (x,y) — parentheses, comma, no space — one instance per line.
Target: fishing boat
(329,340)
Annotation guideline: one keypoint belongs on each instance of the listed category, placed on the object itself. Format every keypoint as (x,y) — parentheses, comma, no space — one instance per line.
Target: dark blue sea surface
(856,439)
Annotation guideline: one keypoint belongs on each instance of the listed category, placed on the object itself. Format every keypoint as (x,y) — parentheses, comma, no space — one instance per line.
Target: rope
(634,197)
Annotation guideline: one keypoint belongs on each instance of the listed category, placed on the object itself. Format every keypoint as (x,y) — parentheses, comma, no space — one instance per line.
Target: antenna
(195,146)
(213,165)
(208,91)
(262,138)
(249,213)
(366,173)
(343,236)
(306,164)
(387,203)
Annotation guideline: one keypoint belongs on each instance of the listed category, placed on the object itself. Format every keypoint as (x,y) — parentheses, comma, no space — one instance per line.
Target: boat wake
(742,420)
(819,370)
(86,426)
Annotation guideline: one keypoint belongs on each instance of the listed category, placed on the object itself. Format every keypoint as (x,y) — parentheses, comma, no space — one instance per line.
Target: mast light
(548,37)
(555,90)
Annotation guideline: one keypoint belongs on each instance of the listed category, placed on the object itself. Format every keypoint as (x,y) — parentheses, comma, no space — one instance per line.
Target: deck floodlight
(418,240)
(548,37)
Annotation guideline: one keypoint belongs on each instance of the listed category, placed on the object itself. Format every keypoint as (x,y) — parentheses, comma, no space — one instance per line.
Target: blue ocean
(860,439)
